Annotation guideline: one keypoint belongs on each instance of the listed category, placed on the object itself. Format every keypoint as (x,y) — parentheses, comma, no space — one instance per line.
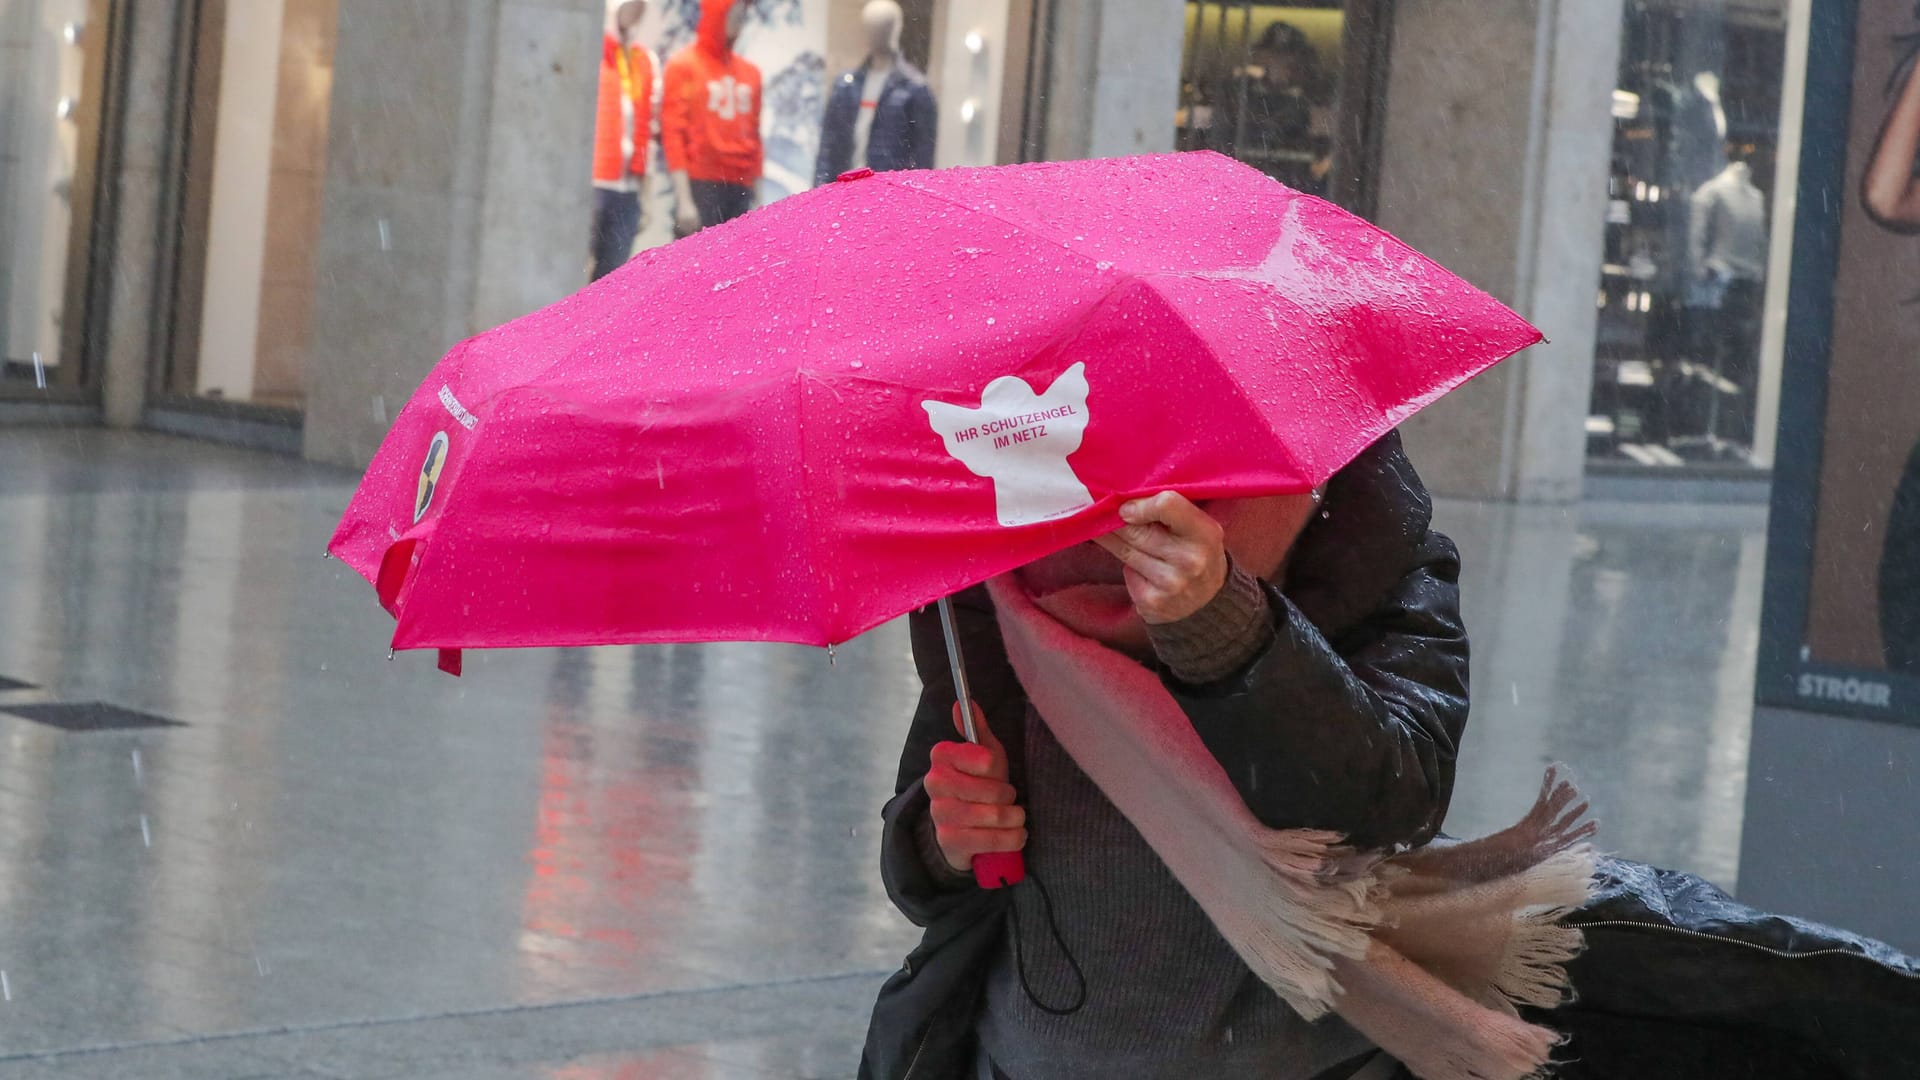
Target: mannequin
(1727,238)
(1694,155)
(710,122)
(880,115)
(622,136)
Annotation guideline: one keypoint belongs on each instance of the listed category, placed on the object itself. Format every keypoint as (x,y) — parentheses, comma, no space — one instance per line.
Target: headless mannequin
(882,20)
(880,114)
(1728,232)
(686,216)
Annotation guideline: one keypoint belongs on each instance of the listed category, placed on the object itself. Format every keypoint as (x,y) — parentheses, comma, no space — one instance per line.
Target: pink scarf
(1427,953)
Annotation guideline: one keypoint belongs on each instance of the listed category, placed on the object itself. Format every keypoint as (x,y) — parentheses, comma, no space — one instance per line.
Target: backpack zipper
(1780,953)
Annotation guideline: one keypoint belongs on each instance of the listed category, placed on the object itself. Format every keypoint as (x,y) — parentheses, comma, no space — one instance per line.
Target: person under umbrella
(1315,641)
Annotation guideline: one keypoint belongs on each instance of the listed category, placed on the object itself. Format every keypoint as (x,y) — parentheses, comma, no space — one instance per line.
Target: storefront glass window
(1680,367)
(44,46)
(1284,88)
(257,166)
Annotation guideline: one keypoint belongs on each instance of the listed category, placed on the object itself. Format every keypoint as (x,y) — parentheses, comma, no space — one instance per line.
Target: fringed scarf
(1429,953)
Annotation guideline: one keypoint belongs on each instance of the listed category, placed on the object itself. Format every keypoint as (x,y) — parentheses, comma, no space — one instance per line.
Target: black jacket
(1678,980)
(1681,982)
(1351,718)
(905,124)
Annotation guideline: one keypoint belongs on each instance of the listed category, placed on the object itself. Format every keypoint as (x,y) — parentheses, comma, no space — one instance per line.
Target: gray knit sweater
(1166,995)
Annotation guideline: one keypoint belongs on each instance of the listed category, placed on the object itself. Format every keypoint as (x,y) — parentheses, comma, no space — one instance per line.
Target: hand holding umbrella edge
(1175,552)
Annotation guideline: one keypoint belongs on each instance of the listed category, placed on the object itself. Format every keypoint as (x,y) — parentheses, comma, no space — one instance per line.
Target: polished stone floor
(643,864)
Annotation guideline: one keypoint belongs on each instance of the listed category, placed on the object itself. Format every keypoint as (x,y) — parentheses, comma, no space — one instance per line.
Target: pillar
(142,179)
(1494,162)
(1114,78)
(458,193)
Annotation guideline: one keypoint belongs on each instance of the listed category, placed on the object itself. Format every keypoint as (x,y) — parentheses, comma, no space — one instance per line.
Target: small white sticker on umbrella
(1020,440)
(455,409)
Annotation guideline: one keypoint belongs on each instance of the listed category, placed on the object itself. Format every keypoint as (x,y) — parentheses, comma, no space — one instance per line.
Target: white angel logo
(1020,440)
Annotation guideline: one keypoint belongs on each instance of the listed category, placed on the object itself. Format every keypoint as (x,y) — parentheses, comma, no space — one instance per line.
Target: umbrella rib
(802,376)
(1153,282)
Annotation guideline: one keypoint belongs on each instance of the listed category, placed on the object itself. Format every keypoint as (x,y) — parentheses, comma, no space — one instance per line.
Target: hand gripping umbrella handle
(997,868)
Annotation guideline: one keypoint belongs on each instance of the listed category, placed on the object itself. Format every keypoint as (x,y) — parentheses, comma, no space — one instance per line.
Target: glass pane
(1262,83)
(1688,233)
(259,122)
(42,68)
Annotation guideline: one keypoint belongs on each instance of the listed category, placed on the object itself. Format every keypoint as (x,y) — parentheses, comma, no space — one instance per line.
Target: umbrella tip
(830,655)
(389,656)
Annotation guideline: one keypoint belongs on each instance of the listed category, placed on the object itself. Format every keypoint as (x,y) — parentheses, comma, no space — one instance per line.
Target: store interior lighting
(975,42)
(968,110)
(72,33)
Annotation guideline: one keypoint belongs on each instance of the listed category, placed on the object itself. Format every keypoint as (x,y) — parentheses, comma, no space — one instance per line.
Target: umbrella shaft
(959,663)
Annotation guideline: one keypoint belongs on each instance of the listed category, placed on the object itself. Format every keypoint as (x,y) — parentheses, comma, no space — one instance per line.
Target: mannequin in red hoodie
(622,134)
(710,122)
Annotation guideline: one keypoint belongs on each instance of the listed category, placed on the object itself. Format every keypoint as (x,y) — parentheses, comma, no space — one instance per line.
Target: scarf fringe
(1323,902)
(1557,822)
(1518,1053)
(1533,967)
(1437,1033)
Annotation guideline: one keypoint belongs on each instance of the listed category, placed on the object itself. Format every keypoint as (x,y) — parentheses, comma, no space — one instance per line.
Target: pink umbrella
(844,406)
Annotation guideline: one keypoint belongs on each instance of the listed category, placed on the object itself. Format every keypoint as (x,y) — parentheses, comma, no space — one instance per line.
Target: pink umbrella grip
(999,868)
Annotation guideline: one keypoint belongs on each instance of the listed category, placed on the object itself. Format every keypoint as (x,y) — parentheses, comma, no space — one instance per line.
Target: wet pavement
(643,864)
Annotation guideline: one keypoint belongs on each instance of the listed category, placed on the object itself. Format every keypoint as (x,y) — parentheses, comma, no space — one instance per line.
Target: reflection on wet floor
(644,863)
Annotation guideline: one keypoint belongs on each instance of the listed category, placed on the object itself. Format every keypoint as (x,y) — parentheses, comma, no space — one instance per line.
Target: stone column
(147,168)
(458,193)
(1115,78)
(1495,161)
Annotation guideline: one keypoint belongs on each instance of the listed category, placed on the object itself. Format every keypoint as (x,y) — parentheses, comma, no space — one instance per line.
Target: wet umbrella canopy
(855,401)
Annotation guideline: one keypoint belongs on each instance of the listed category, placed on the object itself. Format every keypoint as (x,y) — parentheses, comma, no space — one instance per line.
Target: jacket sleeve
(923,127)
(1358,736)
(909,881)
(675,115)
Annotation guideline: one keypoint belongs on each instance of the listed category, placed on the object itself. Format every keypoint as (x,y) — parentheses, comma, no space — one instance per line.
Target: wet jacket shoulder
(1351,719)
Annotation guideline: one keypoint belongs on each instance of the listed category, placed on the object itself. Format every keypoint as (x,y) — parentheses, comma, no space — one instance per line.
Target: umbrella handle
(998,868)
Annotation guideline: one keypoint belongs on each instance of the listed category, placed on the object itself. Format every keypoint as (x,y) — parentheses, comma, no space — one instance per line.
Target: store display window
(1683,293)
